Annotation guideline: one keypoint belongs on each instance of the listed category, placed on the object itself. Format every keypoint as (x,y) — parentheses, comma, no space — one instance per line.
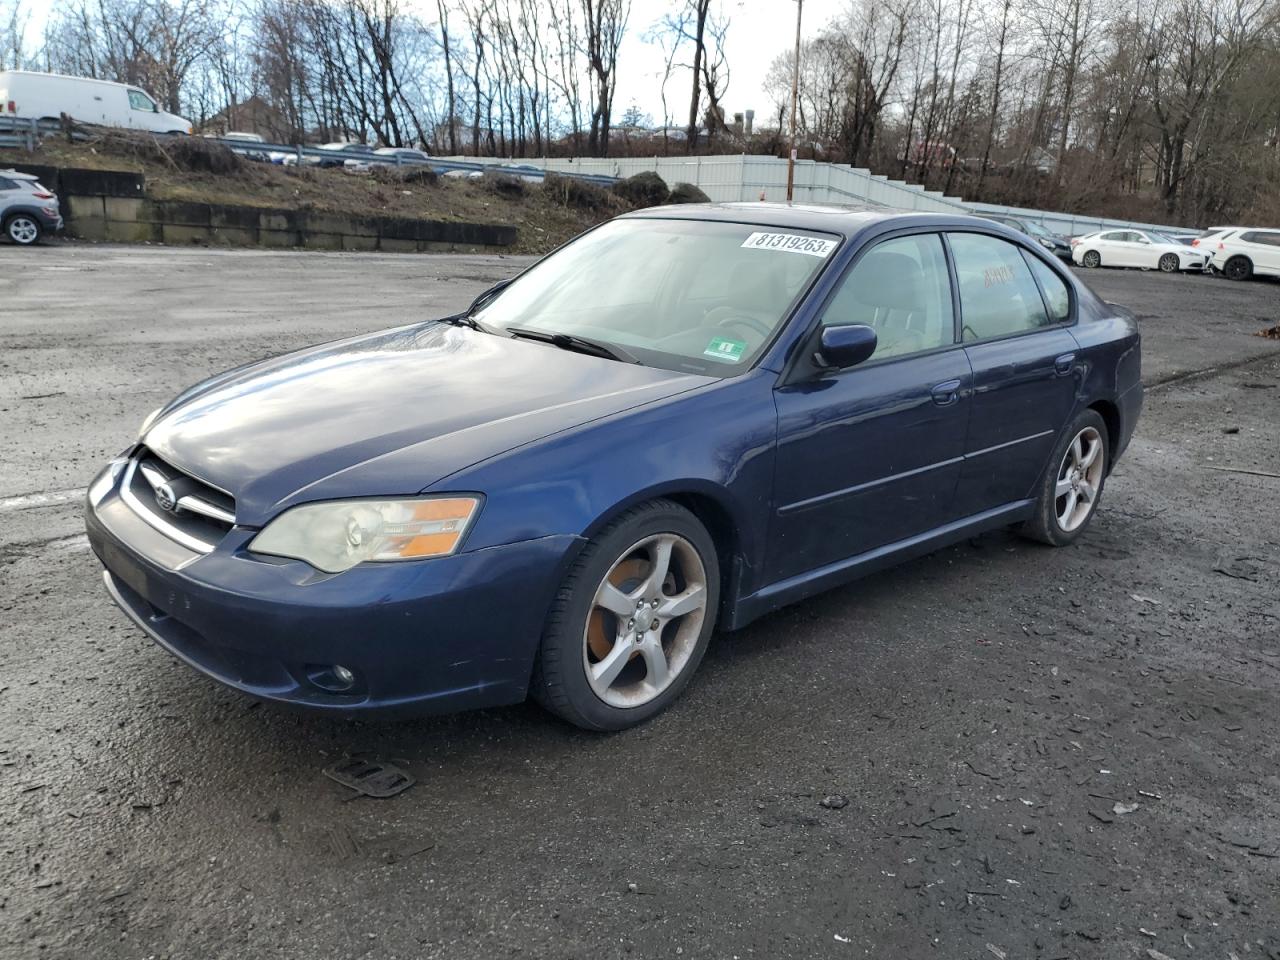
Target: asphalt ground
(1045,753)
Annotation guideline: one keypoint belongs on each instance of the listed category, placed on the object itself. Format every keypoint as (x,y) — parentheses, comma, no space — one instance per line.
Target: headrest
(754,289)
(890,281)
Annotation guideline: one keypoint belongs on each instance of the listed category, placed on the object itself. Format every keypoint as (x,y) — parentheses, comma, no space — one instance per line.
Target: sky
(759,30)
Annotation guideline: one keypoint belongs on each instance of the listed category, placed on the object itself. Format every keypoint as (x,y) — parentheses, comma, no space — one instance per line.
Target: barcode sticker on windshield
(789,243)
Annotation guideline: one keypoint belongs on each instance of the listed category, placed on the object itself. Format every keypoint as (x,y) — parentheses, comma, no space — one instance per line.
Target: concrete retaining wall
(135,220)
(112,206)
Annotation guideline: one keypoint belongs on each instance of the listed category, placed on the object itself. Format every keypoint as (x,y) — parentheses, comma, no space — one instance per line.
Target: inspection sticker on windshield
(789,243)
(721,348)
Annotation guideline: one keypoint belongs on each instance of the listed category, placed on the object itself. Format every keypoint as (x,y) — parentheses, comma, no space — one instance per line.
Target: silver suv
(27,210)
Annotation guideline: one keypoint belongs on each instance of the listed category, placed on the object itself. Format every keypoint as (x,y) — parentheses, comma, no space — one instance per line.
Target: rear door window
(998,295)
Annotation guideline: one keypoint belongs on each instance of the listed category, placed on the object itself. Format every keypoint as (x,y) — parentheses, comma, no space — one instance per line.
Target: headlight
(337,535)
(1047,244)
(148,421)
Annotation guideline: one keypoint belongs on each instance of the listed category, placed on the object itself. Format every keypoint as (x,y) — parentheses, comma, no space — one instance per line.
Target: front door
(870,456)
(1025,368)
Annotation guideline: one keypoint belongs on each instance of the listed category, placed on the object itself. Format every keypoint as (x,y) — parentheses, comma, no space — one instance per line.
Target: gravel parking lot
(1071,753)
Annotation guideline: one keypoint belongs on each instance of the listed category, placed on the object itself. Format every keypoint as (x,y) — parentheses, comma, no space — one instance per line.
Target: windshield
(690,295)
(1160,237)
(1036,230)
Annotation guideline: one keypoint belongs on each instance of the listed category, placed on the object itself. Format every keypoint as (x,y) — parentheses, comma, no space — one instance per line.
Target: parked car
(239,137)
(46,96)
(403,154)
(1135,248)
(1244,253)
(27,209)
(1053,242)
(684,419)
(1203,241)
(343,150)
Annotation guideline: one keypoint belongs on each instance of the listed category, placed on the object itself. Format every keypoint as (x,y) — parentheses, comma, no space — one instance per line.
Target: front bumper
(429,636)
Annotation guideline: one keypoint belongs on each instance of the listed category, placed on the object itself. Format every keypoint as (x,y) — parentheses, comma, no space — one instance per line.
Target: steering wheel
(735,320)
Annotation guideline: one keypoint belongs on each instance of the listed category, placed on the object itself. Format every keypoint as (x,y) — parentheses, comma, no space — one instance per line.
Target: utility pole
(795,93)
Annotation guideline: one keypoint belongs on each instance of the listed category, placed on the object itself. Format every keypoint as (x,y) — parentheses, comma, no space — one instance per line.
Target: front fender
(716,443)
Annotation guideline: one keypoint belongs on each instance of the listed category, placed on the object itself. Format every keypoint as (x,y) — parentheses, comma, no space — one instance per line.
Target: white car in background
(46,96)
(1145,249)
(1243,253)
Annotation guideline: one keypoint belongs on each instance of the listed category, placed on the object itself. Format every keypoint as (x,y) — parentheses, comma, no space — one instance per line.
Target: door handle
(946,393)
(1064,364)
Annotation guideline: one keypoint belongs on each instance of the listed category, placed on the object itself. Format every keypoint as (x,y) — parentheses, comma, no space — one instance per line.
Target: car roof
(14,174)
(846,220)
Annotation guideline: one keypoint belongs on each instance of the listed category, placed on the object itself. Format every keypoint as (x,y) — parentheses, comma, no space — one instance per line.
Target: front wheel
(1091,259)
(1169,263)
(23,229)
(631,621)
(1072,486)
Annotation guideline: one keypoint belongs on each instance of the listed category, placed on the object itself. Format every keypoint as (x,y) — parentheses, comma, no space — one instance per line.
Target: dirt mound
(188,154)
(645,189)
(687,193)
(570,192)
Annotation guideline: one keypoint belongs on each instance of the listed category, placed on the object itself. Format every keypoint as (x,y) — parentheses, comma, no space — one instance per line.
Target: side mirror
(845,345)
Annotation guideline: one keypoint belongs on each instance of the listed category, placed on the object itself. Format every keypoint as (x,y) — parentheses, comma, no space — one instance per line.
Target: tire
(1238,268)
(1063,511)
(1169,263)
(598,683)
(1091,259)
(23,229)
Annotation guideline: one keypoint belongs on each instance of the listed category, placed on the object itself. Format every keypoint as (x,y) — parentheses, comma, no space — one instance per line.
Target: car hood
(387,414)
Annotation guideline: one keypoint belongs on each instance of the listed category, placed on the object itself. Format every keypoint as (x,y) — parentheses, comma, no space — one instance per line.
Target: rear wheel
(1169,263)
(1091,259)
(1072,485)
(631,621)
(23,229)
(1238,268)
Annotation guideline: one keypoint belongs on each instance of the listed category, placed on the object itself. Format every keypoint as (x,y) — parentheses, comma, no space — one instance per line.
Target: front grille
(177,504)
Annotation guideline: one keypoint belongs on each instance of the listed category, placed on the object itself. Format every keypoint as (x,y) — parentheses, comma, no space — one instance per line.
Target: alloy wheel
(23,230)
(645,620)
(1092,259)
(1237,268)
(1169,262)
(1079,478)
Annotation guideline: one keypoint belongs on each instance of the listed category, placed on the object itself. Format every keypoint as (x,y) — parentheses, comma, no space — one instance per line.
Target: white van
(45,96)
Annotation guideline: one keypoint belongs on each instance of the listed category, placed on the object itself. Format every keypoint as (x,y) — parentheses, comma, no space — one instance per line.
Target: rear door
(1015,311)
(1264,250)
(870,455)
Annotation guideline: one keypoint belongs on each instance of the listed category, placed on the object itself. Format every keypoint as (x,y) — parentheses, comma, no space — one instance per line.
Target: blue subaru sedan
(680,421)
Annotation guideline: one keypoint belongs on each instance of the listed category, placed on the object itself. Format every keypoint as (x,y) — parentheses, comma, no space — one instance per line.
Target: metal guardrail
(24,133)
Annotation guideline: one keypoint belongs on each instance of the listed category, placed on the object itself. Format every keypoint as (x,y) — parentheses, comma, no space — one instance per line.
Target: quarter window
(901,289)
(1054,288)
(140,101)
(998,295)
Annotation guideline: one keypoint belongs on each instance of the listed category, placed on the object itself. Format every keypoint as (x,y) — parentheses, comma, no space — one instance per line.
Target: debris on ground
(1122,809)
(370,778)
(834,801)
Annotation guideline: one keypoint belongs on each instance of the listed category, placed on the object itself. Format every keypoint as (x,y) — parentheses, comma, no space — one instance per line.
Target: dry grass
(545,217)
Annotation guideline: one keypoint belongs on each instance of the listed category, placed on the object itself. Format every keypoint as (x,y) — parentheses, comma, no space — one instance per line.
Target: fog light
(343,675)
(332,678)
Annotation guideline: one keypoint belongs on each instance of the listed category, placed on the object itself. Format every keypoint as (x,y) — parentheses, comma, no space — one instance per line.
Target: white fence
(733,178)
(741,177)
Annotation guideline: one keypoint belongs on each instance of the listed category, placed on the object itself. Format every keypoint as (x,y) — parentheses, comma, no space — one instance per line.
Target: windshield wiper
(462,320)
(568,341)
(465,318)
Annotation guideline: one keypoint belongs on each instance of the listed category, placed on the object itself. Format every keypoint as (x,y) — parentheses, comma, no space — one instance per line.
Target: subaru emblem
(165,498)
